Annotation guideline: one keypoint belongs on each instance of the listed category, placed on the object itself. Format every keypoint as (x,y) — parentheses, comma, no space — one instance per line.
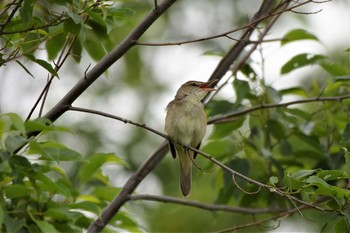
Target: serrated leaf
(297,34)
(300,61)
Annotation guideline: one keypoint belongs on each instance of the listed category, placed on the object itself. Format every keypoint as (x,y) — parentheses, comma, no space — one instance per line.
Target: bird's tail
(185,172)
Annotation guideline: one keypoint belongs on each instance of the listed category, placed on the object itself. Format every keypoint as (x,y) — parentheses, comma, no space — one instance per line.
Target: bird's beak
(207,86)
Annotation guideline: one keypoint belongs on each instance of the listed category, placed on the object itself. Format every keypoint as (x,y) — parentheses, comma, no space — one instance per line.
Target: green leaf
(326,216)
(334,69)
(71,27)
(54,45)
(77,50)
(13,224)
(331,175)
(2,216)
(44,64)
(94,48)
(95,162)
(214,53)
(26,11)
(25,68)
(46,184)
(300,61)
(341,226)
(315,180)
(347,160)
(106,193)
(242,89)
(17,190)
(77,19)
(345,79)
(301,174)
(218,148)
(273,180)
(297,34)
(42,124)
(12,143)
(16,121)
(276,129)
(54,151)
(45,226)
(223,130)
(293,91)
(345,138)
(47,66)
(272,95)
(85,205)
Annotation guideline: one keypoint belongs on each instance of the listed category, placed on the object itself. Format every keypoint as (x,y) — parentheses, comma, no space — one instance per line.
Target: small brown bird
(186,123)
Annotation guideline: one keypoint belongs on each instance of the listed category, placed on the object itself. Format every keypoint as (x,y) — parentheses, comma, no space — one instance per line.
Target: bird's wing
(172,149)
(195,153)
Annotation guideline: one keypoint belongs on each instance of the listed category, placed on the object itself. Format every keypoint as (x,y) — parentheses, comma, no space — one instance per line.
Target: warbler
(186,123)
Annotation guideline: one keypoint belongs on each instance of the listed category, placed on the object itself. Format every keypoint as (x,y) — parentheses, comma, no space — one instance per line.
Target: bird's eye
(194,85)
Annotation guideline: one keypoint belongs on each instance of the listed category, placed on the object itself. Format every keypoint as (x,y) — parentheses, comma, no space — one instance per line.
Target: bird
(185,123)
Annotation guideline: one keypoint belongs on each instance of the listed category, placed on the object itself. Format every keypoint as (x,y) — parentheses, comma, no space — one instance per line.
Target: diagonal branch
(108,60)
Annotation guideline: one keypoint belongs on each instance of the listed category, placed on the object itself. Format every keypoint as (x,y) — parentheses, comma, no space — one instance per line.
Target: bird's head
(195,89)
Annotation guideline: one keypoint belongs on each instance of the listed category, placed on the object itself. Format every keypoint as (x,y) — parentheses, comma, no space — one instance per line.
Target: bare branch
(201,205)
(231,116)
(126,121)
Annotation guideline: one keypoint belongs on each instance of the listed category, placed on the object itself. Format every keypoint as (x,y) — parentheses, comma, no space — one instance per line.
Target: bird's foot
(186,148)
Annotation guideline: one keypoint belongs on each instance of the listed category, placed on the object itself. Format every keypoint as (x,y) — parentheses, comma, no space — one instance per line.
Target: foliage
(280,152)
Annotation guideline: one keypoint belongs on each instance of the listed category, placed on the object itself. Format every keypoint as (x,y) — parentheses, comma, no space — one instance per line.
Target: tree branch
(204,206)
(229,117)
(105,63)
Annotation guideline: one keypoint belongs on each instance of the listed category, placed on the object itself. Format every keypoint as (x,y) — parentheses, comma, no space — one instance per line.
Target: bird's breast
(186,123)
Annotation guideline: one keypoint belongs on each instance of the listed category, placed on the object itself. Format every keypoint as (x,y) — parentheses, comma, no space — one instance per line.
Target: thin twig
(230,116)
(204,206)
